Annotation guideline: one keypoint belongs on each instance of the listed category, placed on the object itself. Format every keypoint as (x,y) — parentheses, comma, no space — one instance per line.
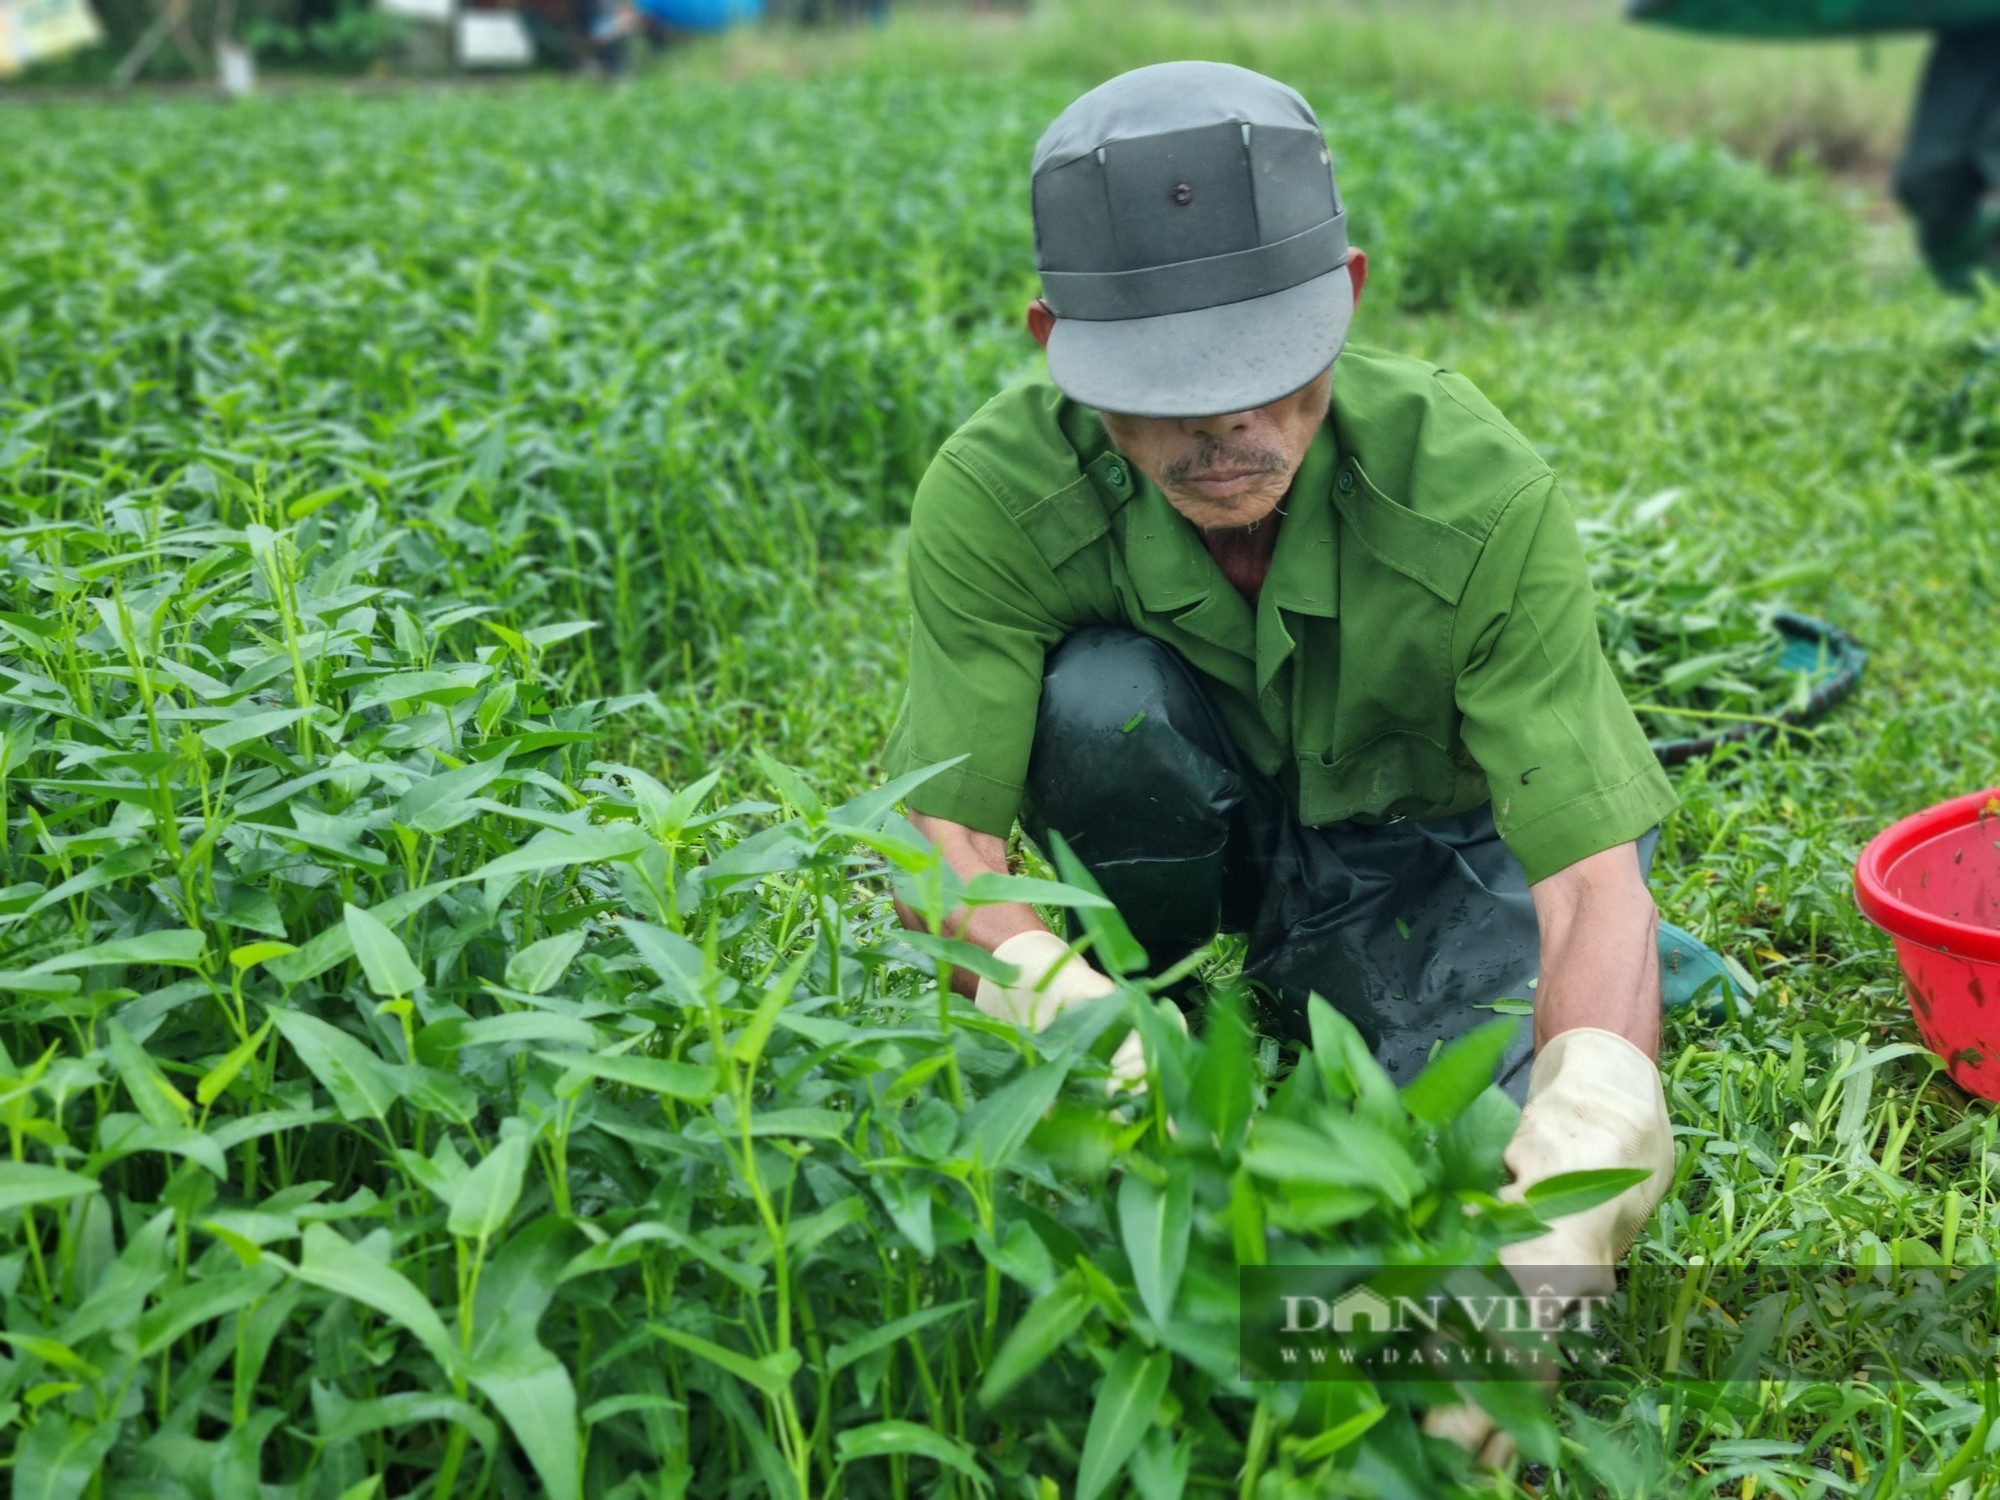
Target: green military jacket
(1425,639)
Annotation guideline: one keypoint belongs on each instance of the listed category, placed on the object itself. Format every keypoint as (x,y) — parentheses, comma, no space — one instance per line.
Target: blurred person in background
(617,22)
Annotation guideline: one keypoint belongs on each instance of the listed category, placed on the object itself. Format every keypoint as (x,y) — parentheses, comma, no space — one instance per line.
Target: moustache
(1213,456)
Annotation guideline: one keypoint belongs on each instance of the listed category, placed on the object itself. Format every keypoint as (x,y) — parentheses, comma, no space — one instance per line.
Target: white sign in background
(36,30)
(493,39)
(439,11)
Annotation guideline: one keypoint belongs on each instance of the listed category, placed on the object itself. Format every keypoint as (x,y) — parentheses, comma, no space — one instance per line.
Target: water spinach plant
(403,1099)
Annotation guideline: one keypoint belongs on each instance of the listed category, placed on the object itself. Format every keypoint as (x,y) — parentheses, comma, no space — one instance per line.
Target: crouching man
(1285,636)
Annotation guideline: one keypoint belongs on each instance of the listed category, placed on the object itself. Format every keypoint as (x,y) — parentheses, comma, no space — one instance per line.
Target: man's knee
(1125,739)
(1098,677)
(1131,767)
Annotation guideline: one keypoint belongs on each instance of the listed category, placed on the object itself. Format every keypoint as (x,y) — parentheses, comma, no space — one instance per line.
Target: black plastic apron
(1408,928)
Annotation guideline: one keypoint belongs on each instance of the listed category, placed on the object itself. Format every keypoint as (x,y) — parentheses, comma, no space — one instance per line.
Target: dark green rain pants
(1951,163)
(1411,929)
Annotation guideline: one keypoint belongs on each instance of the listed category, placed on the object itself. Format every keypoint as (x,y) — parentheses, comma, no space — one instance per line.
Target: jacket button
(1114,475)
(1345,480)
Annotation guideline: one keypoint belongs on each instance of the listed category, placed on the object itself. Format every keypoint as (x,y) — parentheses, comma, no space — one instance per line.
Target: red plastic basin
(1932,882)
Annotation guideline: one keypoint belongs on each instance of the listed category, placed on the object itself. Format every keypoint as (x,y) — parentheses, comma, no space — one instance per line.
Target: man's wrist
(1634,1018)
(1607,1041)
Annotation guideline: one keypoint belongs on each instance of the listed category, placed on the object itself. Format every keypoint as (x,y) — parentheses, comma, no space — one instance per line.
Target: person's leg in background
(1951,161)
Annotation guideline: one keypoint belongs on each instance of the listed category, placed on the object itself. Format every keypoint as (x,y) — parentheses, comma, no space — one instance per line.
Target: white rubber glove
(1468,1426)
(1071,984)
(1594,1101)
(1021,1002)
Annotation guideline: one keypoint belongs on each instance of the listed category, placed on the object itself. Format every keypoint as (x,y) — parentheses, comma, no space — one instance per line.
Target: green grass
(1839,104)
(599,1120)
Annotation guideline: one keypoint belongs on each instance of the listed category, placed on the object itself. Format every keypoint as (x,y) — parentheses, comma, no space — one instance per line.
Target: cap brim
(1213,359)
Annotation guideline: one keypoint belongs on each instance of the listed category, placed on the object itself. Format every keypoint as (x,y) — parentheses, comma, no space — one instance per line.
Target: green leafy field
(456,1040)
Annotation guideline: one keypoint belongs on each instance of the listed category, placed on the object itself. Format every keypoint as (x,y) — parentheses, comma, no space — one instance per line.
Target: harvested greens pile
(1691,640)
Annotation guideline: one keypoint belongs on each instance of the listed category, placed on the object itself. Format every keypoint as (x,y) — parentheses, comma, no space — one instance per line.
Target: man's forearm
(969,853)
(1600,956)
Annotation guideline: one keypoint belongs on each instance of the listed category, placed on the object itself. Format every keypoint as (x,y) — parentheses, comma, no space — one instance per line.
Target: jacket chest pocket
(1397,774)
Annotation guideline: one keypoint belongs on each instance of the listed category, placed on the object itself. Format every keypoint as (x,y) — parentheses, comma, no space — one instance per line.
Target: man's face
(1231,469)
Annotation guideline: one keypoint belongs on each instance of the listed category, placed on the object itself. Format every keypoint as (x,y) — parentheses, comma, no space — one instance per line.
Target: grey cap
(1191,242)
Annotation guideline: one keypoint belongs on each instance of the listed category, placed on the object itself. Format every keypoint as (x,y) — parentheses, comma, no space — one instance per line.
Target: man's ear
(1357,271)
(1041,322)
